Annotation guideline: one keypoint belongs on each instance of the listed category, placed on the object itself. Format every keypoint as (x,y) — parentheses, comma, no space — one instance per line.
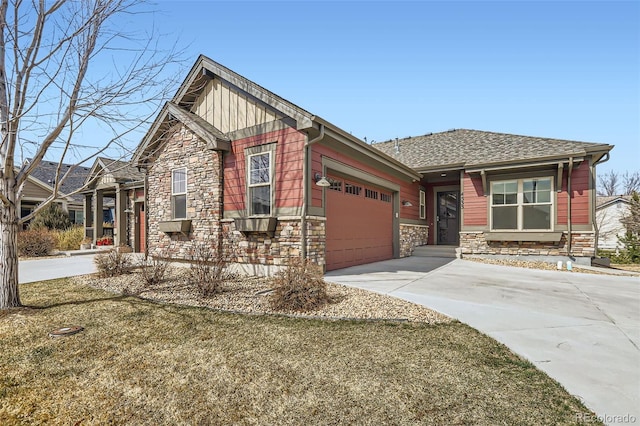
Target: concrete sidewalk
(581,329)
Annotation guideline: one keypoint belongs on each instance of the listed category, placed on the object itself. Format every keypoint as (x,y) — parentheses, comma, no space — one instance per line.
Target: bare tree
(630,182)
(608,184)
(67,65)
(613,184)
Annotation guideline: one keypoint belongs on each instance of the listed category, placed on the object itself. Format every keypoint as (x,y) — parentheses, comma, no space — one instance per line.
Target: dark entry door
(448,203)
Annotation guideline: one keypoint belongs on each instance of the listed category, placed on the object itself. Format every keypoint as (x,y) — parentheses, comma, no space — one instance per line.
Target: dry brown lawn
(631,267)
(140,362)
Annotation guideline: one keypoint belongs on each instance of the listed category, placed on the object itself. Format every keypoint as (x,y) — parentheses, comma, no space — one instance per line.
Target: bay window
(521,204)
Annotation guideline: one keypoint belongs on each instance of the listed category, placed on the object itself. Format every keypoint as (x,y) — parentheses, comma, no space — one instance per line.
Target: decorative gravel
(249,295)
(533,265)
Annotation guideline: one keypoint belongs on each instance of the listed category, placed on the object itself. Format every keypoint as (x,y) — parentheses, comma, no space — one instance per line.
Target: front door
(448,225)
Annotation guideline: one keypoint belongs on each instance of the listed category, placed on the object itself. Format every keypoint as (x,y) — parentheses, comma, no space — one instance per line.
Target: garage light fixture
(407,203)
(322,181)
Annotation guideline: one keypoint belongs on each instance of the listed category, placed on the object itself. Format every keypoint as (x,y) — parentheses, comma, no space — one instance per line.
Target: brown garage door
(359,224)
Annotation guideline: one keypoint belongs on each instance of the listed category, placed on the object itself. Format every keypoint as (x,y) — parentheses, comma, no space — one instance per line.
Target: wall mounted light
(322,181)
(406,203)
(443,174)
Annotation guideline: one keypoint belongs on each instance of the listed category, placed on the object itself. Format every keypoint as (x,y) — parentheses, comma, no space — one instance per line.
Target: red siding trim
(288,168)
(580,178)
(475,203)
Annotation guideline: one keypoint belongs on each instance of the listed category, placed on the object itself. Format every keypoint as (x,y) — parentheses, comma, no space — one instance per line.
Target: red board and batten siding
(475,203)
(288,168)
(408,191)
(580,178)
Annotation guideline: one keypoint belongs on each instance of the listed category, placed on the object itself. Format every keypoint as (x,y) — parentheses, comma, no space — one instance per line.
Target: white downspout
(305,190)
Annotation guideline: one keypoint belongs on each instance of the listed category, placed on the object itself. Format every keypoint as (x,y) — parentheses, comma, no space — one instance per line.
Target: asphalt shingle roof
(46,172)
(473,147)
(602,200)
(122,171)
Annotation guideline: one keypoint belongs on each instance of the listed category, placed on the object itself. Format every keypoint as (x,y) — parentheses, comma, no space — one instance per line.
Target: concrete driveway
(57,267)
(581,329)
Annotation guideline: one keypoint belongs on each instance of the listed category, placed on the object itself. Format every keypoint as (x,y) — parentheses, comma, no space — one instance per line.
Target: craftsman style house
(230,165)
(40,186)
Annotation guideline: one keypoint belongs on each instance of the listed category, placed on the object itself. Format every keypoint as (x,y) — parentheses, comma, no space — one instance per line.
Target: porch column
(121,218)
(88,216)
(98,216)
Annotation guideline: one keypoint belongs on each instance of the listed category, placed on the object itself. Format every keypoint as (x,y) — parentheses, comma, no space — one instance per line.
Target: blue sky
(382,70)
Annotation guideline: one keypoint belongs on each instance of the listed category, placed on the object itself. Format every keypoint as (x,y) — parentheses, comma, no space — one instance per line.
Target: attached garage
(359,227)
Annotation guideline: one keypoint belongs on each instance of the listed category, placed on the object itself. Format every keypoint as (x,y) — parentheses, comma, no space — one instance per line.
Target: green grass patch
(148,363)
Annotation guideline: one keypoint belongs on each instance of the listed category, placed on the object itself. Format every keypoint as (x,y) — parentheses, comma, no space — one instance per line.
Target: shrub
(36,242)
(299,287)
(207,272)
(71,238)
(153,270)
(51,217)
(113,263)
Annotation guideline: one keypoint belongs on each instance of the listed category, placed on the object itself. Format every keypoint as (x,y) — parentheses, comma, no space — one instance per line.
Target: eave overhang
(357,145)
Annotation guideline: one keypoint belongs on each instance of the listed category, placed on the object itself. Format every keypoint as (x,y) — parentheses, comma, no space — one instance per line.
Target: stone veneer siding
(204,195)
(412,236)
(276,250)
(582,245)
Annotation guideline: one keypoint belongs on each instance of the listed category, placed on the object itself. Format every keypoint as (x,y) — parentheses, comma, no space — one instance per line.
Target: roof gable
(606,201)
(473,148)
(72,177)
(213,101)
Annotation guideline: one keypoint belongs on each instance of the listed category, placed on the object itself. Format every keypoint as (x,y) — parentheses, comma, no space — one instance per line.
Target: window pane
(179,184)
(259,169)
(179,206)
(537,191)
(260,200)
(505,217)
(504,193)
(536,217)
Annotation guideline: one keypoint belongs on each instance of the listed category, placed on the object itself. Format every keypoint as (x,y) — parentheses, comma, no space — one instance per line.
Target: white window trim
(423,204)
(255,185)
(520,205)
(186,180)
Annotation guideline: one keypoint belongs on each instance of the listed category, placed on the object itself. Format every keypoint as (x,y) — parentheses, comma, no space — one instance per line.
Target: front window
(260,184)
(521,204)
(76,216)
(423,205)
(179,193)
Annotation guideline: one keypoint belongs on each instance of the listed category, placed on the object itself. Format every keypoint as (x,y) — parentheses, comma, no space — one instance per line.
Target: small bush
(113,263)
(52,216)
(153,270)
(71,238)
(36,242)
(299,287)
(207,272)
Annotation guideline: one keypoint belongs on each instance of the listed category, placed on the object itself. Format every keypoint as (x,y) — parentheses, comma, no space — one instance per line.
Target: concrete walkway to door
(581,329)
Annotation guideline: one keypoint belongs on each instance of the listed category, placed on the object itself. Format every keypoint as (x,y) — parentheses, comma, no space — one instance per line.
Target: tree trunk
(9,294)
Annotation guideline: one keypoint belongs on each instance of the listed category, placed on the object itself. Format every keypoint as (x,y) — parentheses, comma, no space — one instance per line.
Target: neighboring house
(609,214)
(40,183)
(114,203)
(260,180)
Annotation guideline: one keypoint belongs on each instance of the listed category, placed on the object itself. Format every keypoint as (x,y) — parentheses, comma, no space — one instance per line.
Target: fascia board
(366,150)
